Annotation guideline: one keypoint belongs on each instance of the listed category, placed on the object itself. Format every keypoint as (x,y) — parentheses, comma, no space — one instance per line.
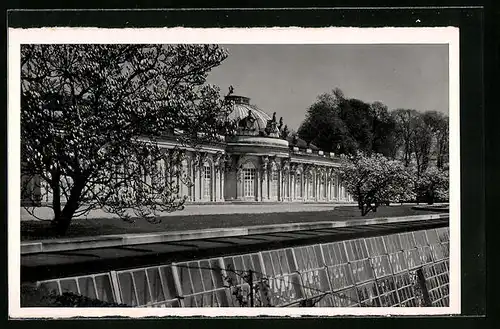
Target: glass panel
(276,264)
(50,286)
(283,261)
(194,270)
(315,282)
(346,298)
(386,288)
(413,258)
(155,285)
(407,240)
(256,264)
(142,287)
(362,270)
(217,273)
(392,243)
(432,236)
(319,256)
(87,287)
(185,279)
(398,262)
(69,285)
(230,268)
(206,274)
(104,290)
(420,238)
(340,276)
(425,254)
(127,289)
(381,266)
(168,280)
(239,268)
(443,234)
(285,289)
(367,294)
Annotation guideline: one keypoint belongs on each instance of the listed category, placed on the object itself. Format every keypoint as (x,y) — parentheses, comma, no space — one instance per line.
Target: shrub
(33,296)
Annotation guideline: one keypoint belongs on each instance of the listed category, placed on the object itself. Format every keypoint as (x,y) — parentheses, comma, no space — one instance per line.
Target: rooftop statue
(280,125)
(272,127)
(247,122)
(284,132)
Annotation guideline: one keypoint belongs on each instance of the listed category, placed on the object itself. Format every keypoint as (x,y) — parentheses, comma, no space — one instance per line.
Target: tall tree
(356,115)
(91,115)
(438,124)
(324,128)
(405,120)
(347,125)
(421,142)
(384,130)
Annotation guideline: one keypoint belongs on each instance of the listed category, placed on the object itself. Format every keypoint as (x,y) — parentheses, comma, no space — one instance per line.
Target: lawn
(37,230)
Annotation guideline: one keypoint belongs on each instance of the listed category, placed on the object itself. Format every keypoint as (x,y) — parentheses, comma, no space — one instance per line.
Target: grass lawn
(37,230)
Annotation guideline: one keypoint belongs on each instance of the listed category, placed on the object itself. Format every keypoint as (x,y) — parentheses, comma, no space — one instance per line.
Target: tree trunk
(56,200)
(366,209)
(62,219)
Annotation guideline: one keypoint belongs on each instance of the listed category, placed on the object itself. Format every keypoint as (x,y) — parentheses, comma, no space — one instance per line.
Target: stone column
(239,184)
(316,183)
(328,184)
(195,168)
(265,179)
(285,170)
(258,197)
(214,180)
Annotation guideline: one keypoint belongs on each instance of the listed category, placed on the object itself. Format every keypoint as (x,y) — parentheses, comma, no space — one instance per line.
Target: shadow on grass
(38,230)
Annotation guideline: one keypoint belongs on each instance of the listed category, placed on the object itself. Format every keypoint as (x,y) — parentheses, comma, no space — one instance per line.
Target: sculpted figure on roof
(247,122)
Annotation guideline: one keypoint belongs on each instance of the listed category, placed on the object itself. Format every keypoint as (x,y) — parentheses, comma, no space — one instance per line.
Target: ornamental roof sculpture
(252,120)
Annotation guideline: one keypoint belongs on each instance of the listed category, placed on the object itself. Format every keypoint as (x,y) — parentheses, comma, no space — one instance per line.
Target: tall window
(298,185)
(310,186)
(249,182)
(322,187)
(274,185)
(207,182)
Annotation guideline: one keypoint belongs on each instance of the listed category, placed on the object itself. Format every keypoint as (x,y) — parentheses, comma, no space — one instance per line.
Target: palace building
(261,162)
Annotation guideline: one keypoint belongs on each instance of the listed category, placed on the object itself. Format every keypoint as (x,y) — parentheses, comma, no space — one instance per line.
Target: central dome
(242,109)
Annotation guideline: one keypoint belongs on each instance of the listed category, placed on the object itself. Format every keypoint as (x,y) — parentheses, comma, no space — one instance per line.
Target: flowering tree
(374,180)
(433,185)
(91,116)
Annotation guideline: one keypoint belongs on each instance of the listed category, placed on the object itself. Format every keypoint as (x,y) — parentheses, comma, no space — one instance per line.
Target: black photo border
(473,122)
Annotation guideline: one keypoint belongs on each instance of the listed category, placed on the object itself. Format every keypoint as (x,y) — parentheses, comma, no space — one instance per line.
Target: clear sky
(288,78)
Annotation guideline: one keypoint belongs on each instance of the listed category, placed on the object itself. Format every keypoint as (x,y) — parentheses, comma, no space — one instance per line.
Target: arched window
(207,181)
(249,174)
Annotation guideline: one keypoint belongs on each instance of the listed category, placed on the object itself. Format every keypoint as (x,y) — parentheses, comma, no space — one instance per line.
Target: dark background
(479,131)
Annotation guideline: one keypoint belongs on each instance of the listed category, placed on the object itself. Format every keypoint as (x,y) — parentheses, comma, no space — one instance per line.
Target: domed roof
(242,109)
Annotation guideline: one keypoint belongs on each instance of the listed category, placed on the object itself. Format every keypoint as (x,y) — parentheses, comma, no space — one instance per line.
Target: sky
(287,79)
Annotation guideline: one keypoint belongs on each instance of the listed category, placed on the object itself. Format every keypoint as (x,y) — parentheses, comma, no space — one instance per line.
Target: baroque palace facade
(259,163)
